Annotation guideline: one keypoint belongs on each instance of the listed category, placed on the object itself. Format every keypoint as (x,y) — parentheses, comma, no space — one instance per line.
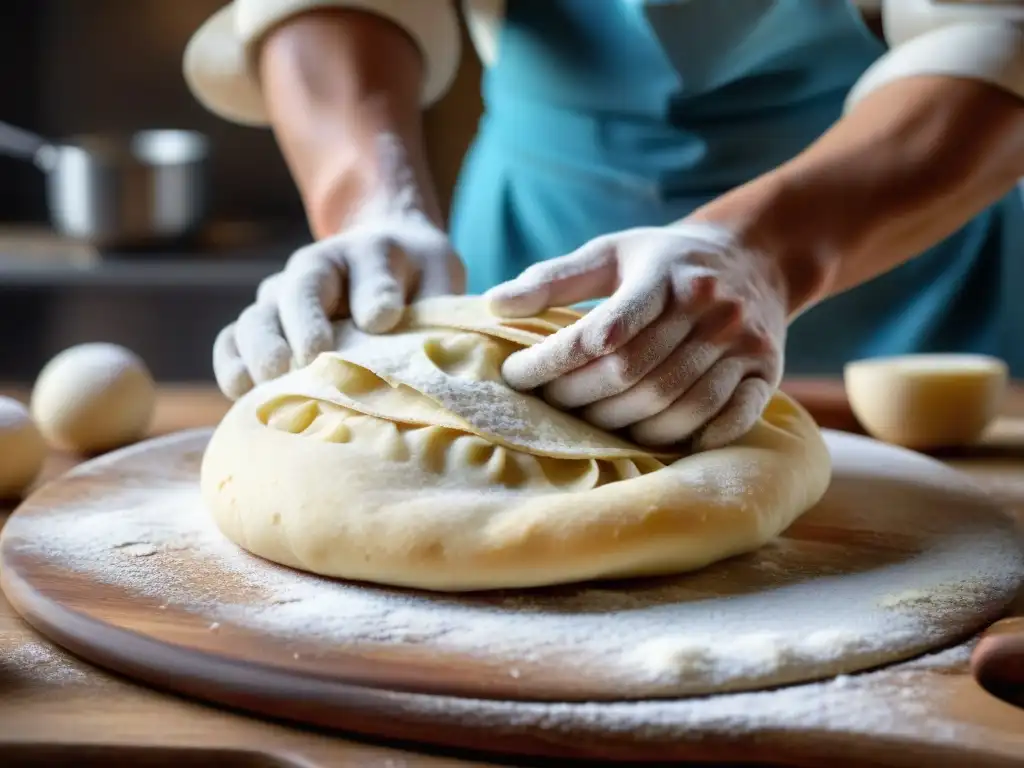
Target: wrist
(342,90)
(906,168)
(379,181)
(771,218)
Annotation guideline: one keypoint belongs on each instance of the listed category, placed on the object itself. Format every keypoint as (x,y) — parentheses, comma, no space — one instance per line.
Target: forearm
(342,89)
(907,167)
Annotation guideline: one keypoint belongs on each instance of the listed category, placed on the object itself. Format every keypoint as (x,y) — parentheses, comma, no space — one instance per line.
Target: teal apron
(606,115)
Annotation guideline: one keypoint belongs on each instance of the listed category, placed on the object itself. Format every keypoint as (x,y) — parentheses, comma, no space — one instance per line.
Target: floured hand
(689,344)
(368,272)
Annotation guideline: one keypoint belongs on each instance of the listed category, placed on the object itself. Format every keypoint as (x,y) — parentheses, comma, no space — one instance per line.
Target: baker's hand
(368,272)
(689,344)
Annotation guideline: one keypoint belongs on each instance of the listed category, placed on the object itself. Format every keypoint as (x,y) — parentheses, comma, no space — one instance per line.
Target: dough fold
(405,460)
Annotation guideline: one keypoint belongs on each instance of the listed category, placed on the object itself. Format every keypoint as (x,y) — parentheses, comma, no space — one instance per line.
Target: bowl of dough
(405,460)
(926,401)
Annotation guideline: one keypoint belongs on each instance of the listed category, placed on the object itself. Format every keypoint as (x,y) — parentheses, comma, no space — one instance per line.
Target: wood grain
(55,708)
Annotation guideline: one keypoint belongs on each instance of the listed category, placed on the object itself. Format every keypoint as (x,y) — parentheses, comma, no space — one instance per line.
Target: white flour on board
(152,538)
(883,702)
(887,702)
(38,662)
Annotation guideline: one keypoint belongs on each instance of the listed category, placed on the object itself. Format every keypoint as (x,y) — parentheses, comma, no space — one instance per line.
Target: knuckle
(266,291)
(396,255)
(307,285)
(722,385)
(536,273)
(309,347)
(248,317)
(724,322)
(225,337)
(701,289)
(755,344)
(613,239)
(308,258)
(771,374)
(605,335)
(621,371)
(670,383)
(572,343)
(756,393)
(660,393)
(733,311)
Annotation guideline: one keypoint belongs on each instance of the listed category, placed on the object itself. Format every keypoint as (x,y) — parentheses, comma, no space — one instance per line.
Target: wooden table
(49,698)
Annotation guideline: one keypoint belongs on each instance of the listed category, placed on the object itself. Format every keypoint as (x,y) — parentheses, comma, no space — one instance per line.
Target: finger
(711,337)
(701,403)
(441,277)
(600,332)
(618,372)
(261,344)
(587,273)
(738,417)
(695,311)
(659,389)
(228,368)
(309,295)
(266,291)
(378,279)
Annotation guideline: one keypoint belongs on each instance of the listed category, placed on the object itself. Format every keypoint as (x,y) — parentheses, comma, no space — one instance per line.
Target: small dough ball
(94,397)
(22,449)
(926,401)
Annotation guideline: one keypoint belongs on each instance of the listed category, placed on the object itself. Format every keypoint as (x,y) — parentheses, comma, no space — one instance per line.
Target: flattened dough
(405,460)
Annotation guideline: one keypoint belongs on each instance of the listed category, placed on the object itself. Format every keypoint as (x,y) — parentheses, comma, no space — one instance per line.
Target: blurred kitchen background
(88,66)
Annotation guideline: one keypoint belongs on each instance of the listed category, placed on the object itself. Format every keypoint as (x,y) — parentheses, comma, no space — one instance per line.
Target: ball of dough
(926,401)
(94,397)
(405,459)
(22,449)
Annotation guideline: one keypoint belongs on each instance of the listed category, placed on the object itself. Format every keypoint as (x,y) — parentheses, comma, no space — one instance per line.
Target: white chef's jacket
(968,38)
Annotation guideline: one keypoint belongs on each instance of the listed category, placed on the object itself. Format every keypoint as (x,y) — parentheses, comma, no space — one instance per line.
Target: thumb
(587,273)
(378,277)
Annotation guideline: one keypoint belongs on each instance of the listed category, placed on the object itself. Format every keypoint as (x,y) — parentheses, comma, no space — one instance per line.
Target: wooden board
(352,688)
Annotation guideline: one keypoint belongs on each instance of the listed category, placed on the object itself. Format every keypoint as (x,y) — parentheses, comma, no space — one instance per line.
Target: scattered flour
(152,538)
(137,549)
(940,602)
(871,704)
(656,637)
(38,661)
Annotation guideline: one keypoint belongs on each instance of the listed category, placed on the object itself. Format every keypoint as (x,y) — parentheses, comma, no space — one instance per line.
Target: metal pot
(116,191)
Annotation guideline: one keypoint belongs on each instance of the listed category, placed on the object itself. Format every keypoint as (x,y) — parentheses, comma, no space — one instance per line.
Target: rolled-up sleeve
(981,41)
(219,62)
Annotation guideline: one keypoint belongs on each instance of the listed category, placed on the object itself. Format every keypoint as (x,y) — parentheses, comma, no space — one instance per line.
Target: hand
(689,344)
(367,272)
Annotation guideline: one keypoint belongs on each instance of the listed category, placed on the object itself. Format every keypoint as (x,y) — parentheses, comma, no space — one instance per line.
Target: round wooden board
(903,548)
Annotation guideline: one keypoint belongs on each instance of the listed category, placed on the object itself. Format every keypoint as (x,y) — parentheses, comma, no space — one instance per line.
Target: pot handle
(25,145)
